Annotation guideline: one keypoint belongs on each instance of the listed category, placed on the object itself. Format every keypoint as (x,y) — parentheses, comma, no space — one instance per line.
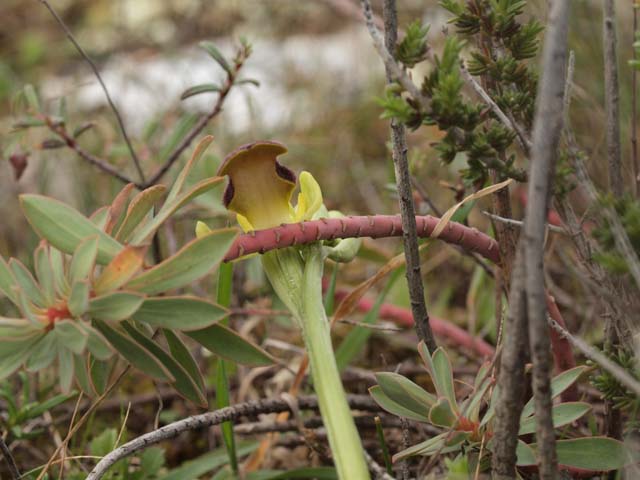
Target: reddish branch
(440,327)
(378,226)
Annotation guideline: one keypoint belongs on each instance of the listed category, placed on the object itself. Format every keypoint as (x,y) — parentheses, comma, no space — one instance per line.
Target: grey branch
(96,72)
(600,358)
(612,98)
(248,409)
(547,128)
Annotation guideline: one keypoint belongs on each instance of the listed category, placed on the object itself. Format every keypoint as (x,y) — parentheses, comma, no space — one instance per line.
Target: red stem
(440,327)
(377,226)
(562,352)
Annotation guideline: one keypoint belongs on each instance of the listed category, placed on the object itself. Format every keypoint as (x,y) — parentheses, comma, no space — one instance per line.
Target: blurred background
(319,78)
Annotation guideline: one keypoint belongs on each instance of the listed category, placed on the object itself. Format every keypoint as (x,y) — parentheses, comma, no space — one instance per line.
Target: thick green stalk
(343,436)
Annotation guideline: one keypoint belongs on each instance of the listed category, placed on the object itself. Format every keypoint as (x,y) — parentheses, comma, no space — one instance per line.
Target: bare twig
(377,470)
(248,409)
(511,377)
(634,106)
(600,358)
(8,458)
(612,98)
(96,72)
(518,223)
(547,128)
(525,143)
(101,164)
(405,194)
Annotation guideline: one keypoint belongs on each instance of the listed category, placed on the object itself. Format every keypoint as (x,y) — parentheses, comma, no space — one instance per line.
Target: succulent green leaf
(393,407)
(84,259)
(71,336)
(179,313)
(562,414)
(44,272)
(559,384)
(444,443)
(81,374)
(27,308)
(7,281)
(599,454)
(403,391)
(442,414)
(64,227)
(78,302)
(65,369)
(27,283)
(100,218)
(43,353)
(184,384)
(121,269)
(170,207)
(228,344)
(134,353)
(139,207)
(193,261)
(525,455)
(98,345)
(183,356)
(15,352)
(99,373)
(116,306)
(443,377)
(58,269)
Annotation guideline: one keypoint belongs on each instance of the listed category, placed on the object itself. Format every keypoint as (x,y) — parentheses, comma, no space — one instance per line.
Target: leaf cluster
(628,210)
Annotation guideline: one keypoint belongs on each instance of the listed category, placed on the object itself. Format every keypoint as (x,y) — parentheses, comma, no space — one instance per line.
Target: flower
(260,188)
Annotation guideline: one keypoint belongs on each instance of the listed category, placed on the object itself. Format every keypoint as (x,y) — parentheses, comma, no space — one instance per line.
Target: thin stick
(518,223)
(11,463)
(612,98)
(196,422)
(547,127)
(86,57)
(634,105)
(405,194)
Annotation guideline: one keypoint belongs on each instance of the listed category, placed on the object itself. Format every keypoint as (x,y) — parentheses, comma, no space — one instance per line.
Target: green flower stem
(343,436)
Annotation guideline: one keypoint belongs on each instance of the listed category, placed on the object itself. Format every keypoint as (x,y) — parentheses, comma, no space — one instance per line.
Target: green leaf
(14,353)
(214,53)
(70,336)
(121,269)
(104,443)
(600,454)
(98,345)
(78,302)
(27,283)
(116,306)
(7,281)
(43,353)
(559,384)
(47,405)
(100,218)
(44,272)
(82,375)
(228,344)
(151,461)
(525,455)
(562,414)
(193,261)
(406,393)
(250,81)
(441,414)
(183,383)
(139,207)
(198,89)
(134,353)
(65,369)
(179,313)
(194,469)
(443,377)
(64,227)
(170,207)
(99,373)
(444,443)
(57,265)
(393,407)
(183,356)
(83,260)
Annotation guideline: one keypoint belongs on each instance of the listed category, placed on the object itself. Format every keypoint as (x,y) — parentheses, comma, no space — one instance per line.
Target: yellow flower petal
(202,229)
(309,198)
(259,187)
(244,223)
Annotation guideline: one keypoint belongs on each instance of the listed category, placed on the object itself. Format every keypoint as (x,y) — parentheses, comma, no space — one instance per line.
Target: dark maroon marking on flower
(229,191)
(285,173)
